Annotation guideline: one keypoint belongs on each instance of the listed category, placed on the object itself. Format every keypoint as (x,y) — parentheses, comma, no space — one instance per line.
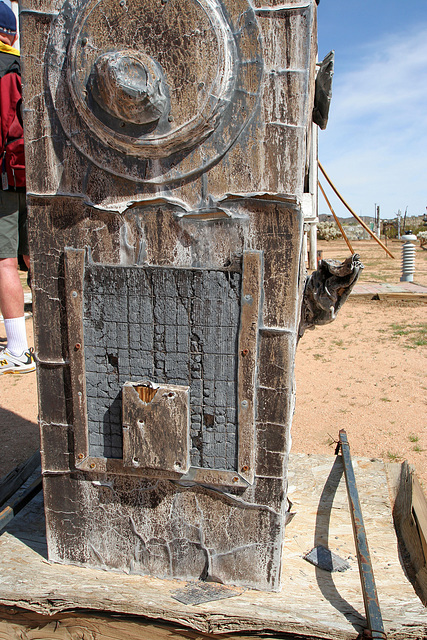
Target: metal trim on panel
(195,475)
(156,426)
(248,341)
(74,272)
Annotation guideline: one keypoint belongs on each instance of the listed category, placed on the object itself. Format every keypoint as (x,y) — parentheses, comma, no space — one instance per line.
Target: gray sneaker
(17,364)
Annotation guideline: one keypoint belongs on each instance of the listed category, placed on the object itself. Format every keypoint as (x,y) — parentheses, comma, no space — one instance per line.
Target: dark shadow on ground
(324,578)
(29,525)
(19,438)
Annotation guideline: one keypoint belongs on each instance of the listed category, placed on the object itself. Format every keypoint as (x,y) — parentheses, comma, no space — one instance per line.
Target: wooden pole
(359,220)
(336,219)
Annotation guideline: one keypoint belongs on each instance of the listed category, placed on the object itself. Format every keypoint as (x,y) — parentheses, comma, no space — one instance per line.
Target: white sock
(16,334)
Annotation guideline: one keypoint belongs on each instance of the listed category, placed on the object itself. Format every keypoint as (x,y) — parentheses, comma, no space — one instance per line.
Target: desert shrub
(422,237)
(390,228)
(327,230)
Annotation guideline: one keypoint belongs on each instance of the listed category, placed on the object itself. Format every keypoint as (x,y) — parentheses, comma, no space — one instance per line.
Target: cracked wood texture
(17,625)
(167,146)
(313,603)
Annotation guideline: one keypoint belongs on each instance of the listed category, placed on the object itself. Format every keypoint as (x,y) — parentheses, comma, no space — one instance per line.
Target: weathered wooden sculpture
(167,150)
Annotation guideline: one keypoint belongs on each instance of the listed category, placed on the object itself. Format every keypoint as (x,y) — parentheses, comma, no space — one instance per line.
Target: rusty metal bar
(359,220)
(369,590)
(10,511)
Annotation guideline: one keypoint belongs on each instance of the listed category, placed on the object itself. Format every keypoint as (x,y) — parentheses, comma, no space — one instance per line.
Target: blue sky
(375,146)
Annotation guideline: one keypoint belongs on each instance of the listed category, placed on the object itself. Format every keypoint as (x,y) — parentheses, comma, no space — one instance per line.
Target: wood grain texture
(410,517)
(312,604)
(20,625)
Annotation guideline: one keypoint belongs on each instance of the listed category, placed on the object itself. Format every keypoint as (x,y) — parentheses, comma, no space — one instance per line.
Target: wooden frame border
(246,395)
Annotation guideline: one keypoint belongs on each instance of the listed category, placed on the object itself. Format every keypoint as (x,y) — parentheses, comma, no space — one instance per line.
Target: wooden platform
(313,603)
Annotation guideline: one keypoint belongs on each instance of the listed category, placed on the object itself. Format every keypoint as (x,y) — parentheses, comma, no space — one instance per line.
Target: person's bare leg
(11,292)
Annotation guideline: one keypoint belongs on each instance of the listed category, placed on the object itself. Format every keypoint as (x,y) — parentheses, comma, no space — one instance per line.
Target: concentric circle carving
(153,90)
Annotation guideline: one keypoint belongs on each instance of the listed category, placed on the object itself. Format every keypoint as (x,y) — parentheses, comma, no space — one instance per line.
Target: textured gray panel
(169,326)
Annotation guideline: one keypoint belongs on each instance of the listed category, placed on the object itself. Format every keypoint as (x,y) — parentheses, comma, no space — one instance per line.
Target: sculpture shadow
(29,526)
(20,439)
(324,578)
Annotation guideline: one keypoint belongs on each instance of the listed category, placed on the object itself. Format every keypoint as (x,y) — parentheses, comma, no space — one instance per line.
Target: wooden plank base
(313,603)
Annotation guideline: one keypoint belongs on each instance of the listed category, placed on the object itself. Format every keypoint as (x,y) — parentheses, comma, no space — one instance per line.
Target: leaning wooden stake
(359,220)
(369,589)
(336,218)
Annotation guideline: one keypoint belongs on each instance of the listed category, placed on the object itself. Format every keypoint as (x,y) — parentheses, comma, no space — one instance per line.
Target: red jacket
(12,134)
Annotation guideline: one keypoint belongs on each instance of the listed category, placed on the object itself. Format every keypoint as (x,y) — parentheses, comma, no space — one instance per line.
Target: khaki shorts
(13,224)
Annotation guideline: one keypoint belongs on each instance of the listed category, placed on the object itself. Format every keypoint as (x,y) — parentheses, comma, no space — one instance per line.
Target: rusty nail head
(235,479)
(92,466)
(81,456)
(245,352)
(245,468)
(77,346)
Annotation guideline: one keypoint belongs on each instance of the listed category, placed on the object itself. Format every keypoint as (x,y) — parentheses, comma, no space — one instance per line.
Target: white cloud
(375,147)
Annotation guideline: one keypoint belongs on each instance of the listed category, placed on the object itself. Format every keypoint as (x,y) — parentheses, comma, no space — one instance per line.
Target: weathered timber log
(9,511)
(410,517)
(168,146)
(11,482)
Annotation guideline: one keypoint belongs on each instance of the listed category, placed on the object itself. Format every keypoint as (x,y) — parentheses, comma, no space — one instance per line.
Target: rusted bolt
(92,466)
(81,456)
(245,352)
(245,468)
(77,346)
(235,479)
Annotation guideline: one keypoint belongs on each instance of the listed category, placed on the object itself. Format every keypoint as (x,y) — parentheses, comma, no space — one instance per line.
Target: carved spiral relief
(130,86)
(138,85)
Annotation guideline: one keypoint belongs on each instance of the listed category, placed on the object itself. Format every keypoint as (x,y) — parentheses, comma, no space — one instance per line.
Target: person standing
(15,357)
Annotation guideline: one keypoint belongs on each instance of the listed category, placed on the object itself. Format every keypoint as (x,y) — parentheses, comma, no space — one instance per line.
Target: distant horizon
(350,217)
(375,146)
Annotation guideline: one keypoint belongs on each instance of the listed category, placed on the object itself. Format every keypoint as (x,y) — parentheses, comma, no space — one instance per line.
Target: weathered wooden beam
(16,624)
(10,511)
(410,519)
(14,480)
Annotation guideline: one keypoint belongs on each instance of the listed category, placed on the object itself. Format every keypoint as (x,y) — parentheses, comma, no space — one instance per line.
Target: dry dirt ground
(365,372)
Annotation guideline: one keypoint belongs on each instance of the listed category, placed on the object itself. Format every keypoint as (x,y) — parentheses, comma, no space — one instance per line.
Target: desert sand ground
(366,372)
